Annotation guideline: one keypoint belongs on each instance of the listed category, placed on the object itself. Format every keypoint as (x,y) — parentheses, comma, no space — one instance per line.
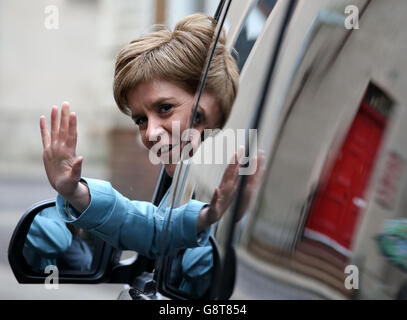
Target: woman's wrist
(203,221)
(80,198)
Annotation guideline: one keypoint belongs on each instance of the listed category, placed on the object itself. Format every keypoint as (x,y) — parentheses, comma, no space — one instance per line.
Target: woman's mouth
(165,149)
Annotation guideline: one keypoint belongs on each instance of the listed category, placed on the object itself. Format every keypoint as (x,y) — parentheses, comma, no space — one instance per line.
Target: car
(322,93)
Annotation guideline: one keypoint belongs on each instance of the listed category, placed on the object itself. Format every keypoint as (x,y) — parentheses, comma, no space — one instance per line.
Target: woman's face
(162,111)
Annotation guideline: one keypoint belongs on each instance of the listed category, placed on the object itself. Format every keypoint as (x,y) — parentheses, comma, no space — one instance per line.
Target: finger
(258,161)
(261,155)
(252,178)
(54,124)
(231,169)
(77,169)
(260,167)
(229,177)
(63,127)
(72,132)
(237,156)
(256,177)
(240,154)
(46,139)
(215,197)
(241,159)
(213,205)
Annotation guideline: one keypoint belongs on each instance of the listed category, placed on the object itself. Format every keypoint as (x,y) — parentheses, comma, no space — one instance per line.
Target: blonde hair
(178,56)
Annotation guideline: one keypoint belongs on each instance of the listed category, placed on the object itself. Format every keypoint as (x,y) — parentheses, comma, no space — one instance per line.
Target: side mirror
(42,244)
(173,278)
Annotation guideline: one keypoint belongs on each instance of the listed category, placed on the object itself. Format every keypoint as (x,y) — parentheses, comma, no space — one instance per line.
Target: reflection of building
(339,199)
(337,168)
(333,130)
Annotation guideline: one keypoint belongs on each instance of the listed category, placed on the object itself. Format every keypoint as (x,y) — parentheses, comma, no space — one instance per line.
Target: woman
(155,81)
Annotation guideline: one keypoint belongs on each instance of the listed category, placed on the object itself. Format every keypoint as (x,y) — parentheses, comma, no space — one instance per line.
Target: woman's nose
(155,130)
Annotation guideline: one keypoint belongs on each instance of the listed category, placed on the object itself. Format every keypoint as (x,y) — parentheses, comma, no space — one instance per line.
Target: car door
(328,220)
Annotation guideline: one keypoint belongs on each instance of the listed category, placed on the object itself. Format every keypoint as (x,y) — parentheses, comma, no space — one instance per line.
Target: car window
(182,171)
(216,151)
(170,268)
(253,18)
(250,29)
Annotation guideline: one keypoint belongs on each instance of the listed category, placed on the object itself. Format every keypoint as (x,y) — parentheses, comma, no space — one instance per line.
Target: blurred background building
(64,50)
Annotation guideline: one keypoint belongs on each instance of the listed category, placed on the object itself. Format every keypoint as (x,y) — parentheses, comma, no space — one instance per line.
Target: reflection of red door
(335,209)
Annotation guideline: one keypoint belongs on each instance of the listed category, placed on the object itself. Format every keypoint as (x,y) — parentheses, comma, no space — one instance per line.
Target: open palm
(62,166)
(224,194)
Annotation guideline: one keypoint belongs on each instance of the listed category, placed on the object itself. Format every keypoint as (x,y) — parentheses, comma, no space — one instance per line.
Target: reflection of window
(251,29)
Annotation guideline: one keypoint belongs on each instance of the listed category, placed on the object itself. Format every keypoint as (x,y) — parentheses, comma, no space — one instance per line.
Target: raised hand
(226,191)
(62,166)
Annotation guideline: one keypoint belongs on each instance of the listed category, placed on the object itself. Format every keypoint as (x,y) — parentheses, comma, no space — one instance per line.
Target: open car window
(251,24)
(189,182)
(173,267)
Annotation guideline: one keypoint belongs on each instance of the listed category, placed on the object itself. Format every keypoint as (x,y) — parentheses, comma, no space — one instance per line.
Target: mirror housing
(105,256)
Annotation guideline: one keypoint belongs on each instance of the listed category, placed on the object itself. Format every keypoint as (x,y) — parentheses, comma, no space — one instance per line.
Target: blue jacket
(140,226)
(49,242)
(136,225)
(47,238)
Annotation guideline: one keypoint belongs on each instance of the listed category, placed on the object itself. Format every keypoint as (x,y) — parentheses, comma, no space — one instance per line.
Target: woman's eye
(198,118)
(165,108)
(140,121)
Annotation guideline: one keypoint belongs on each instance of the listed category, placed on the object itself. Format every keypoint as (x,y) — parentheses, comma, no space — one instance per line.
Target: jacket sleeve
(135,225)
(48,234)
(197,271)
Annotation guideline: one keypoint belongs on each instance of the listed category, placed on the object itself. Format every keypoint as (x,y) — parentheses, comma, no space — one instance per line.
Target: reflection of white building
(337,166)
(333,131)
